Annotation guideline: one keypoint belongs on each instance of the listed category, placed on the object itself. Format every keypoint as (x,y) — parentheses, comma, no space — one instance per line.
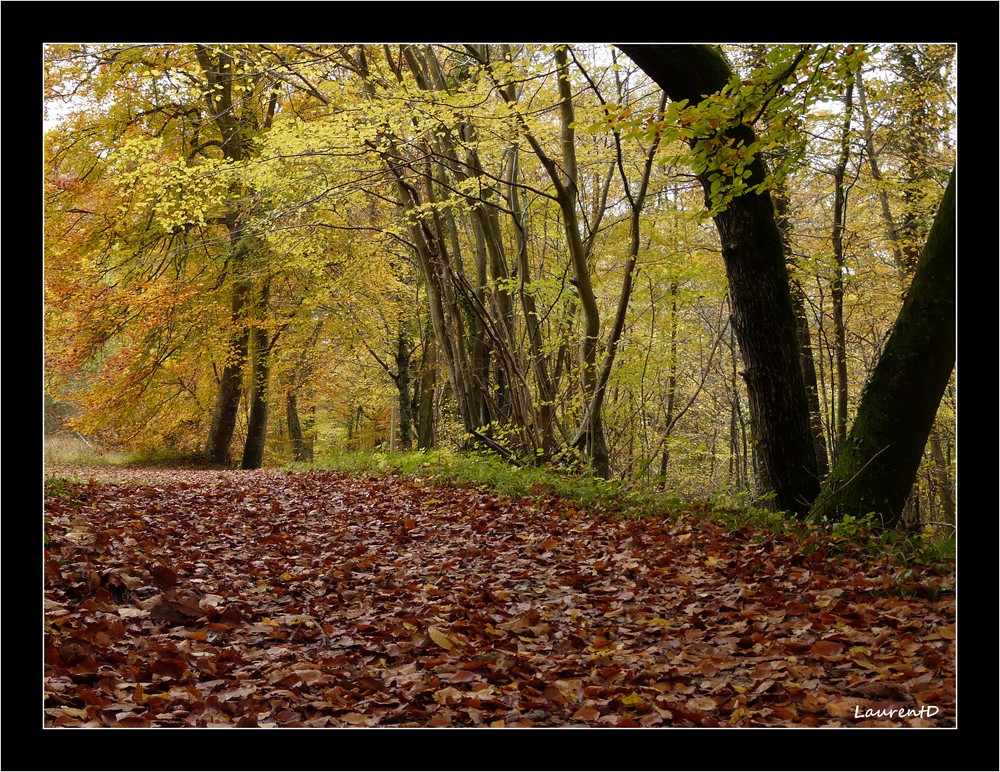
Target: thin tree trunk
(636,203)
(873,163)
(425,395)
(942,475)
(295,427)
(404,390)
(671,395)
(543,382)
(840,268)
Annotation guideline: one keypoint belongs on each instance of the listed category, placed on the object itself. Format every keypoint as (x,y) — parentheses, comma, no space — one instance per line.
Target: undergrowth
(734,512)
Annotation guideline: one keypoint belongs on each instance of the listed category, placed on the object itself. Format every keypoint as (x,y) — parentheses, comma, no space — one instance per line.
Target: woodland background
(258,254)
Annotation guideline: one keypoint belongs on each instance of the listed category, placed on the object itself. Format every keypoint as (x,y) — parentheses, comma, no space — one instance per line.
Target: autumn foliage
(207,599)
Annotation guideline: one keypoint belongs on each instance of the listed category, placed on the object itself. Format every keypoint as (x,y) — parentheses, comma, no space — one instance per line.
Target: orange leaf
(826,649)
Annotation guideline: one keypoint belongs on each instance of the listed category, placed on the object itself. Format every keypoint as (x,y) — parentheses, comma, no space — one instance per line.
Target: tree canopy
(543,252)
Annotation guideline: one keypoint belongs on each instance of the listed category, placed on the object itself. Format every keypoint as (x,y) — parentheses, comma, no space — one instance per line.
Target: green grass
(487,471)
(732,511)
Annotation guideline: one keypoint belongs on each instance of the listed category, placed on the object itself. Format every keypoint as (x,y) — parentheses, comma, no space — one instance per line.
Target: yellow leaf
(440,638)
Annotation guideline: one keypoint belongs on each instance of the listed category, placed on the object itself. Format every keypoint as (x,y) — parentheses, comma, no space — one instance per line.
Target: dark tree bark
(403,383)
(220,436)
(222,102)
(879,462)
(253,450)
(837,285)
(763,319)
(295,427)
(806,358)
(260,371)
(426,438)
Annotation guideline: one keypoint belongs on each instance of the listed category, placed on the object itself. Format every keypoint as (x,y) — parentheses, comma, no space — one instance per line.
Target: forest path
(266,598)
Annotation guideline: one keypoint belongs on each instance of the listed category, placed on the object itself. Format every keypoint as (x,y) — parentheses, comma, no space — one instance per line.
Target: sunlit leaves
(174,194)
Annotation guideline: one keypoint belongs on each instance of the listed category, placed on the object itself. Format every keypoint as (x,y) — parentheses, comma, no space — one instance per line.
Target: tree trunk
(942,476)
(837,287)
(806,358)
(879,462)
(253,450)
(671,396)
(404,389)
(260,371)
(539,361)
(220,436)
(295,427)
(763,319)
(425,395)
(222,103)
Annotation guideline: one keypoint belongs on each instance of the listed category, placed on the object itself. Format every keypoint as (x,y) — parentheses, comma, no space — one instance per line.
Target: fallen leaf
(440,638)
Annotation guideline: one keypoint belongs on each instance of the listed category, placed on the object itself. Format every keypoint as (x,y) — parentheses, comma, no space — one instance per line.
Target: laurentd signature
(927,711)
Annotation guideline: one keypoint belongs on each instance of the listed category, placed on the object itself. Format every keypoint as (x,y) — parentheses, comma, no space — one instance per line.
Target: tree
(763,318)
(173,129)
(878,464)
(879,461)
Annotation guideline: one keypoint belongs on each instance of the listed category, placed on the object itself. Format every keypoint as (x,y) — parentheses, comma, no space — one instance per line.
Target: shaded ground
(196,598)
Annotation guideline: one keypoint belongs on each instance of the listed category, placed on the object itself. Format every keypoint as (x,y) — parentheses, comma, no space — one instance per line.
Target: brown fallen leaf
(619,624)
(163,576)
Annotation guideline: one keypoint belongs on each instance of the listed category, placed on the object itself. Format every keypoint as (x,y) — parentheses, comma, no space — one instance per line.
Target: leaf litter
(276,599)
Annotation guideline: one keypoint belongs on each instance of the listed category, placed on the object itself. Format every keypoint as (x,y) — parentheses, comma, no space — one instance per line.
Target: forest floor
(193,598)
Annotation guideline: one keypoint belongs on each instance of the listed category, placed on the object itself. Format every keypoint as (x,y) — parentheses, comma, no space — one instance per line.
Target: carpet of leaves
(272,599)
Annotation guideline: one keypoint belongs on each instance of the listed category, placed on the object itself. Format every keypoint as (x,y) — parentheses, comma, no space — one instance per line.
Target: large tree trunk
(222,103)
(806,358)
(763,319)
(879,462)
